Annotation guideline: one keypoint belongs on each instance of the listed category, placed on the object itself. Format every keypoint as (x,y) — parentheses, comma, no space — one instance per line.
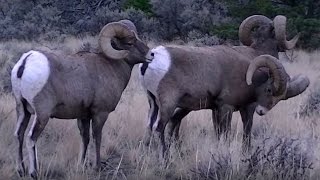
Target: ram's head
(263,34)
(119,40)
(275,85)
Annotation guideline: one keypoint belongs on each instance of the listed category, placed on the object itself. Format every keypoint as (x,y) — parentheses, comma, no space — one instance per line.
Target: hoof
(21,170)
(97,169)
(246,150)
(177,144)
(147,141)
(34,175)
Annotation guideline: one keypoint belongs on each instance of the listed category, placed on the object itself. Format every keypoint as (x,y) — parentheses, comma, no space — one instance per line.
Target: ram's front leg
(84,128)
(247,120)
(98,122)
(221,118)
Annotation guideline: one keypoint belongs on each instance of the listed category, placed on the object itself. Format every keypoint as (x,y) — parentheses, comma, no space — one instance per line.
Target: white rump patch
(156,69)
(34,77)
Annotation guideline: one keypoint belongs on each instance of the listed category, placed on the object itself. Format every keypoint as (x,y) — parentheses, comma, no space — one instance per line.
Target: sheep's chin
(261,110)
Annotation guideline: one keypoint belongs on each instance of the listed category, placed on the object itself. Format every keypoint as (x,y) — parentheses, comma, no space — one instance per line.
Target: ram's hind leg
(216,123)
(23,117)
(168,103)
(84,128)
(152,117)
(175,122)
(39,123)
(174,126)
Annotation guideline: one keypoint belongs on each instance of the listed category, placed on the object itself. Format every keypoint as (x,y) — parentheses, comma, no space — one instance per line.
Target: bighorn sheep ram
(259,35)
(181,79)
(84,86)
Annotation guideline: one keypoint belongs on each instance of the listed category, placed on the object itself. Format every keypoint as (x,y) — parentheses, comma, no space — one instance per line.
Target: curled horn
(248,24)
(129,24)
(280,23)
(297,85)
(109,31)
(278,73)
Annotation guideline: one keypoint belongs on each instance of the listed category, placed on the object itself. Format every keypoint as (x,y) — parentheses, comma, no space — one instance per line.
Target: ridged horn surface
(280,24)
(248,24)
(109,31)
(277,71)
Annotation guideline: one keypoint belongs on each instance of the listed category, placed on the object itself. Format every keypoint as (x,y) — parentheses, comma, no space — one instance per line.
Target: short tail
(21,68)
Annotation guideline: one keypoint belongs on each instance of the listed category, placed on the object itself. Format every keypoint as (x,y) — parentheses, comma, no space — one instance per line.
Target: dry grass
(285,146)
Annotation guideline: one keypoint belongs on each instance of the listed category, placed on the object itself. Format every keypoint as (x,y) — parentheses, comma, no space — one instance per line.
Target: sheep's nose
(261,112)
(150,57)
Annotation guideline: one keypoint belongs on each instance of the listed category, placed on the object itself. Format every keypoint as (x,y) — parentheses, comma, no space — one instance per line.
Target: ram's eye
(268,90)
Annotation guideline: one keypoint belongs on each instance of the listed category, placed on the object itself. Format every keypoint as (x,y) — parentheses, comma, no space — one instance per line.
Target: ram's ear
(260,76)
(297,85)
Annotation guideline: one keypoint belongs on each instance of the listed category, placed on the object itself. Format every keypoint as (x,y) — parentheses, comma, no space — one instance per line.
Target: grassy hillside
(285,145)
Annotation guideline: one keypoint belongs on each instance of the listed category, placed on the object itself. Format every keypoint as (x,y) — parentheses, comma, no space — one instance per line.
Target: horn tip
(249,81)
(306,80)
